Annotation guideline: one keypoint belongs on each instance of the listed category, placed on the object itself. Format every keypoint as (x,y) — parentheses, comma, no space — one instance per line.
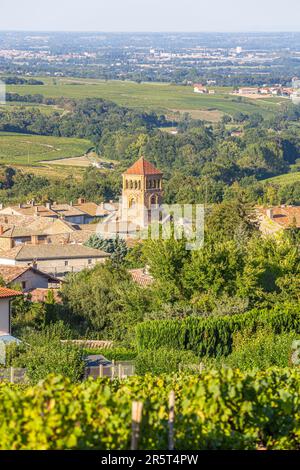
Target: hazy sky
(150,15)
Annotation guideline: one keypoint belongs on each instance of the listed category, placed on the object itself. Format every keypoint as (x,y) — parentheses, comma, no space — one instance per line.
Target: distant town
(180,58)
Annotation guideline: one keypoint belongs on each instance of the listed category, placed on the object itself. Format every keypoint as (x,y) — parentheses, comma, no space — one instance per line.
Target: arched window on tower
(132,203)
(131,184)
(154,201)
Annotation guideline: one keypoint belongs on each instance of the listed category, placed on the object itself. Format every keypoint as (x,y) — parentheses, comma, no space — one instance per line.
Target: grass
(53,172)
(27,149)
(282,180)
(45,109)
(161,97)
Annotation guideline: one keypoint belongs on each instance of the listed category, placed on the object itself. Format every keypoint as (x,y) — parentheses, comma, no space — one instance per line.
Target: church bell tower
(142,191)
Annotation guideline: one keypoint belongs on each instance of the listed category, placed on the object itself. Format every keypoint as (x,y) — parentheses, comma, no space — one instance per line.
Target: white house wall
(4,316)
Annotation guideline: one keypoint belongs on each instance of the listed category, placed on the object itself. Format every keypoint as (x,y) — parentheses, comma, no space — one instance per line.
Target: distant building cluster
(199,88)
(292,92)
(276,90)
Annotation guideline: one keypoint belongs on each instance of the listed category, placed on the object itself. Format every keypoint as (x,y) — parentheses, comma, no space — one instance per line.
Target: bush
(223,409)
(45,353)
(13,351)
(163,361)
(213,336)
(117,354)
(261,350)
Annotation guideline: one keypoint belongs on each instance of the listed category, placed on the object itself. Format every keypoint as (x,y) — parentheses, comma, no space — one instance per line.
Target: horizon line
(250,31)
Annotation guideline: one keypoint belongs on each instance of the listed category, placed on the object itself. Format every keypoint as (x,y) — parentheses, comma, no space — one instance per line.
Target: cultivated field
(287,178)
(45,109)
(82,161)
(26,149)
(161,97)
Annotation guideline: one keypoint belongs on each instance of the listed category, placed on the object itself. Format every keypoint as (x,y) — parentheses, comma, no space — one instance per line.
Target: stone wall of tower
(138,194)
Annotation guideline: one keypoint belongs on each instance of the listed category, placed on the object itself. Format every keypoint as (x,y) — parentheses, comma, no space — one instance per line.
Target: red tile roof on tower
(6,293)
(142,167)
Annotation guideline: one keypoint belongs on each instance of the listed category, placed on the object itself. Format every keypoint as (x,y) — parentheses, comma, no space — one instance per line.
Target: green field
(161,97)
(287,178)
(45,109)
(26,149)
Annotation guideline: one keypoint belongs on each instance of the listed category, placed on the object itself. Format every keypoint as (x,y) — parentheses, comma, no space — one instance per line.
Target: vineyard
(224,409)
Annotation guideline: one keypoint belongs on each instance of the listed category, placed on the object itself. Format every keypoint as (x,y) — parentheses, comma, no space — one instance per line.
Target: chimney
(270,213)
(1,229)
(71,203)
(48,205)
(32,202)
(81,200)
(1,206)
(146,269)
(34,240)
(36,209)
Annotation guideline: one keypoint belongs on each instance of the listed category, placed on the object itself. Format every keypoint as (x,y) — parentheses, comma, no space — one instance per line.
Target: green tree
(115,246)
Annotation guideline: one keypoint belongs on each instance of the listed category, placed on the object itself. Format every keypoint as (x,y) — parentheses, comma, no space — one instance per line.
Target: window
(66,263)
(132,203)
(23,285)
(90,261)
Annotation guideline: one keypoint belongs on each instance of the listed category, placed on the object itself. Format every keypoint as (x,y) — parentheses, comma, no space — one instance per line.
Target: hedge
(224,409)
(115,353)
(163,361)
(213,336)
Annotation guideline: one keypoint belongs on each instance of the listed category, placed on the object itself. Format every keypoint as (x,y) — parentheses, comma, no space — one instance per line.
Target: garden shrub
(43,353)
(115,353)
(261,350)
(213,336)
(163,361)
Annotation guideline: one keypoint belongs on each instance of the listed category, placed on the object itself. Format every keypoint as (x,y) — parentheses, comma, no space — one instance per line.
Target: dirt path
(82,161)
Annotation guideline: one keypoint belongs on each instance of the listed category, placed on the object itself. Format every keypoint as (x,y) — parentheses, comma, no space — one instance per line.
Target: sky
(150,15)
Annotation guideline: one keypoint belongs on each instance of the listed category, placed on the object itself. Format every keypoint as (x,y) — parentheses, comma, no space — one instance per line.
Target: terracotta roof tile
(91,208)
(29,210)
(142,167)
(139,276)
(11,273)
(38,252)
(40,295)
(286,216)
(6,293)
